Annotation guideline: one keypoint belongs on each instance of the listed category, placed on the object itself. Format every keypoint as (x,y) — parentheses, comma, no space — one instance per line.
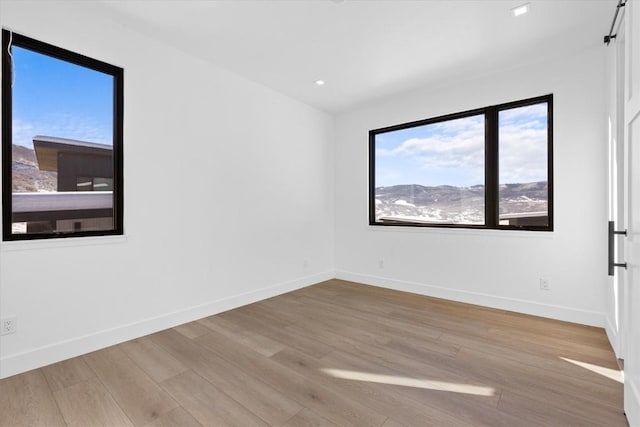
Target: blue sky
(56,98)
(452,152)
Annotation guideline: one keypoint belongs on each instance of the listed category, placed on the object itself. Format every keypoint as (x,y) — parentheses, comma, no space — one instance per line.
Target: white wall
(228,191)
(491,267)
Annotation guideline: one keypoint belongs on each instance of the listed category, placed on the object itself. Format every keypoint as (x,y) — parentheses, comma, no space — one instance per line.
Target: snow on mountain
(450,204)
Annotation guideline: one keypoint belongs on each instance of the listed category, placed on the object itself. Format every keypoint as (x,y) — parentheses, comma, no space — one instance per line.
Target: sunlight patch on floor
(612,374)
(411,382)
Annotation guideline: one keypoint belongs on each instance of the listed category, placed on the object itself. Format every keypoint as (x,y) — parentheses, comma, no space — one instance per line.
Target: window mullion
(491,168)
(7,111)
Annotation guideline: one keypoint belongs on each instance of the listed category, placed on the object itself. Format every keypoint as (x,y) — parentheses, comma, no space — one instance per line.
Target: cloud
(523,154)
(60,125)
(523,144)
(453,144)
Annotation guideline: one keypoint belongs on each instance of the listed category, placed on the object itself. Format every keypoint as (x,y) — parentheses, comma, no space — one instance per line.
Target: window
(62,117)
(486,168)
(86,183)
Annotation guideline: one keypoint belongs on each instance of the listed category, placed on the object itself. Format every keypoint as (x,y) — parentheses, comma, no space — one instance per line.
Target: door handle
(612,234)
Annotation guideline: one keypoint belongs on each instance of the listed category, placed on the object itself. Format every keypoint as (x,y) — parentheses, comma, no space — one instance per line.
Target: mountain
(446,203)
(26,175)
(525,197)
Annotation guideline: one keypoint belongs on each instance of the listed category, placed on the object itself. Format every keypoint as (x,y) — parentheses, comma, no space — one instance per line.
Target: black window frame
(492,167)
(9,39)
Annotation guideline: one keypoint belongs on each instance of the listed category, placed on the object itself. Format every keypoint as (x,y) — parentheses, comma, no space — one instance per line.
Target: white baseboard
(568,314)
(614,337)
(21,362)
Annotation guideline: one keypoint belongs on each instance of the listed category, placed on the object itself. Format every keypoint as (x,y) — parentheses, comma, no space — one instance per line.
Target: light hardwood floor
(335,354)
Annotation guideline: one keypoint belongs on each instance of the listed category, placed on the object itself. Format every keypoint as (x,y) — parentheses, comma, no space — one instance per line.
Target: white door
(632,142)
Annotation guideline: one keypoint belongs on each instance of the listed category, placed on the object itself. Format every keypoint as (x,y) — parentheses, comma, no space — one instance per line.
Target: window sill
(547,235)
(28,245)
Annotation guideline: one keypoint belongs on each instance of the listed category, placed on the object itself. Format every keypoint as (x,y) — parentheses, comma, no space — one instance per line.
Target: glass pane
(523,146)
(62,131)
(431,174)
(102,184)
(84,183)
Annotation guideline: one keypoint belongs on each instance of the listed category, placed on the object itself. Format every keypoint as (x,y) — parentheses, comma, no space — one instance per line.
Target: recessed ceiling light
(520,10)
(319,82)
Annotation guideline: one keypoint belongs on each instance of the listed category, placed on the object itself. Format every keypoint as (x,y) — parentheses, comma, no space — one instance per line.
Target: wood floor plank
(308,418)
(337,408)
(392,423)
(263,345)
(263,314)
(327,335)
(551,345)
(568,392)
(470,403)
(366,331)
(499,373)
(517,330)
(89,404)
(423,349)
(436,367)
(385,325)
(67,373)
(304,344)
(152,359)
(520,341)
(191,329)
(179,417)
(367,392)
(207,404)
(541,361)
(26,399)
(322,288)
(549,415)
(135,392)
(417,305)
(257,396)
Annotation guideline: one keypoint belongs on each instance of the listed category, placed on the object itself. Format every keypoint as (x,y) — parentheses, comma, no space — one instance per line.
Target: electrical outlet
(544,284)
(8,325)
(381,264)
(305,264)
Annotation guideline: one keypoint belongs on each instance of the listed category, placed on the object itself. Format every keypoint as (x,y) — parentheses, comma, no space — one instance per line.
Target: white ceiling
(367,49)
